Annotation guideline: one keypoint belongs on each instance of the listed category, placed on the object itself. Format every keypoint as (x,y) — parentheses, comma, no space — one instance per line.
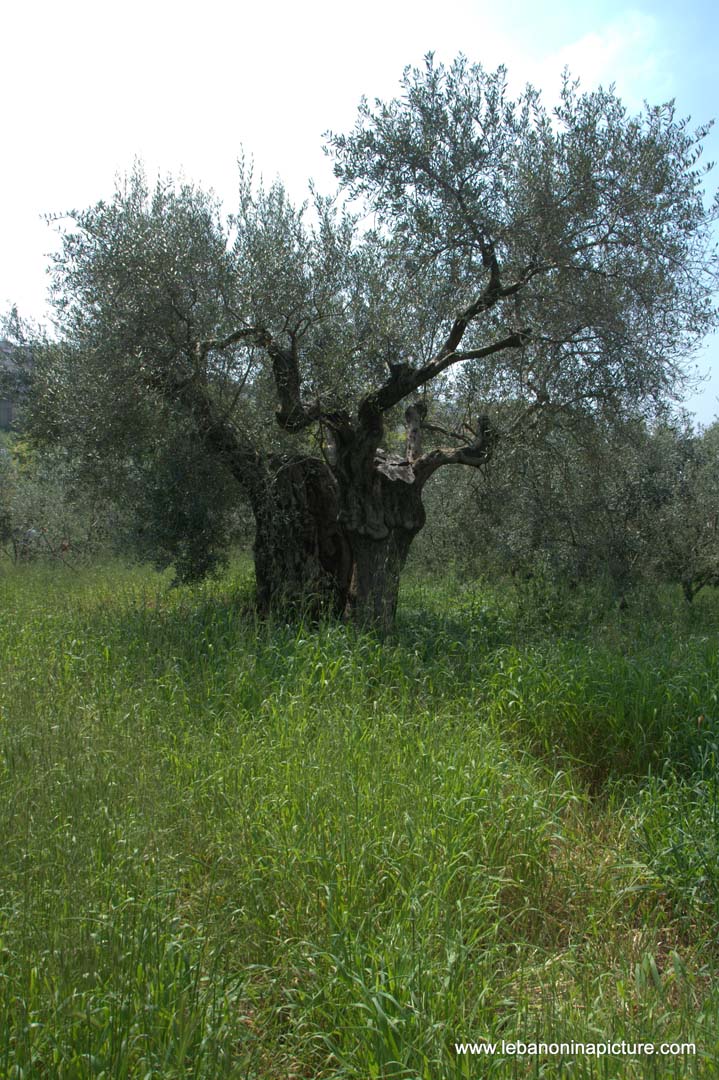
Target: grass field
(242,849)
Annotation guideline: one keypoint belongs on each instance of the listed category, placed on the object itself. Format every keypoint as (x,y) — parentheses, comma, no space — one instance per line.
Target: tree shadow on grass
(610,706)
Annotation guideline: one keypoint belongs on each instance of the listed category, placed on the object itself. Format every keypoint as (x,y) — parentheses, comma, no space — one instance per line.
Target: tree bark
(378,566)
(303,561)
(380,510)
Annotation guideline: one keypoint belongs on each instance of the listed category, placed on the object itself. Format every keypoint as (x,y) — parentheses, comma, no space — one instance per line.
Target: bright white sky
(88,86)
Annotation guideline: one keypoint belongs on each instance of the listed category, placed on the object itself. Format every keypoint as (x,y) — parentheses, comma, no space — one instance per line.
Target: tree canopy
(583,231)
(520,261)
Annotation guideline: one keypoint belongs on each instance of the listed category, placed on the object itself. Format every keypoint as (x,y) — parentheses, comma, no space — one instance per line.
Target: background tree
(685,527)
(46,510)
(568,504)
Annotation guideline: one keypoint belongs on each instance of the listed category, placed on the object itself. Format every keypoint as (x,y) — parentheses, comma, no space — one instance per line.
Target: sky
(87,87)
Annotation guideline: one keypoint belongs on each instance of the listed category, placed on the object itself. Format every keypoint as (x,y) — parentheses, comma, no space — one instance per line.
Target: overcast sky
(87,87)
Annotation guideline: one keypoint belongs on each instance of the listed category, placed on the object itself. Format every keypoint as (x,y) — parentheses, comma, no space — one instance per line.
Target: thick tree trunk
(303,560)
(381,507)
(310,558)
(335,537)
(381,512)
(378,565)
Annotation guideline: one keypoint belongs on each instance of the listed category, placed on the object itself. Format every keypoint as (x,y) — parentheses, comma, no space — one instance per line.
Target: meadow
(250,849)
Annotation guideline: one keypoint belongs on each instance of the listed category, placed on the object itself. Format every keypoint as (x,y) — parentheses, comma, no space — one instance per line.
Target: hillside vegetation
(241,848)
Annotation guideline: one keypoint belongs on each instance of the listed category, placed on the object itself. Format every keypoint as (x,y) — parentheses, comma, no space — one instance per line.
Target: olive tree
(685,530)
(154,385)
(559,260)
(570,499)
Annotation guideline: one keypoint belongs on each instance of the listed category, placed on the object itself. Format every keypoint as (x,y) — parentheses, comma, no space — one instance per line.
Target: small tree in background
(635,503)
(686,525)
(46,510)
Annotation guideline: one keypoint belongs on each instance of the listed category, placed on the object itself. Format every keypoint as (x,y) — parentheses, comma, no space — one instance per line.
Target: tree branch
(254,335)
(405,379)
(474,455)
(291,414)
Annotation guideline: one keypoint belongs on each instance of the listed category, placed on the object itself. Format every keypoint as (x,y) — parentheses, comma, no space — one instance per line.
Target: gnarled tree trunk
(380,507)
(378,565)
(382,518)
(381,512)
(303,560)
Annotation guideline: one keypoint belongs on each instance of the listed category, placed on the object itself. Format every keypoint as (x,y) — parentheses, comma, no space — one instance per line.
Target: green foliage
(581,214)
(679,829)
(573,501)
(46,511)
(240,848)
(686,522)
(141,280)
(185,508)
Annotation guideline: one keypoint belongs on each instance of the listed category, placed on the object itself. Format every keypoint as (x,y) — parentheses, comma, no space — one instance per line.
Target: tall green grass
(253,849)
